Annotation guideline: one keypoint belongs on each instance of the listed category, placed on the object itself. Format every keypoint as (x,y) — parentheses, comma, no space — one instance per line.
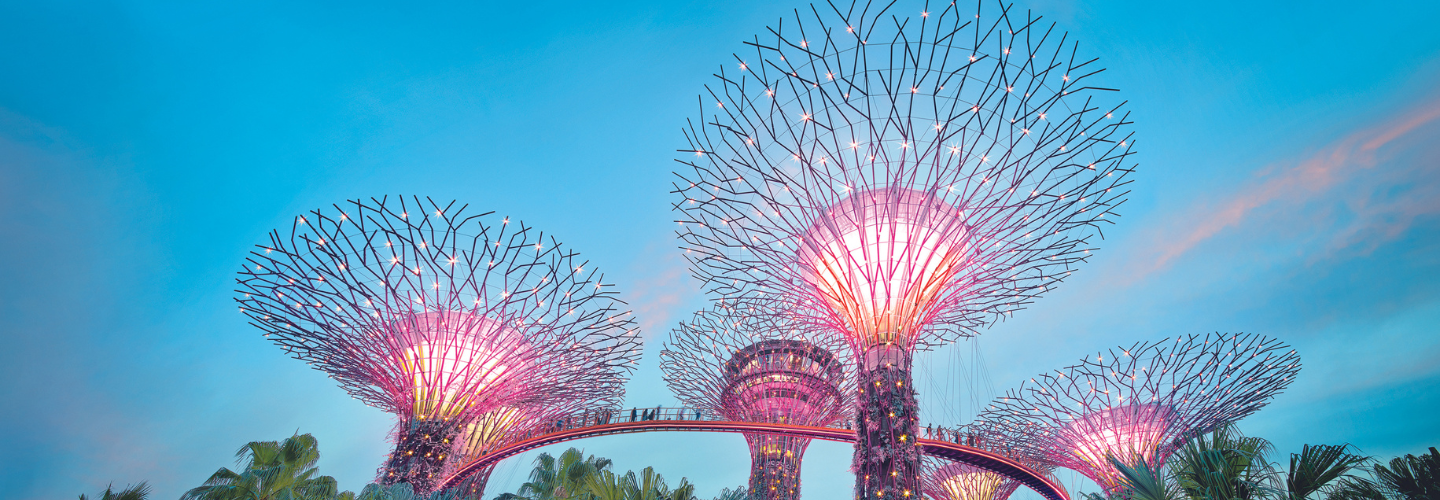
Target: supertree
(494,428)
(1139,404)
(439,317)
(754,367)
(945,480)
(904,180)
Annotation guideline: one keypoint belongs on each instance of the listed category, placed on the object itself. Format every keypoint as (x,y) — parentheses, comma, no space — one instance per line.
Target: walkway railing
(601,422)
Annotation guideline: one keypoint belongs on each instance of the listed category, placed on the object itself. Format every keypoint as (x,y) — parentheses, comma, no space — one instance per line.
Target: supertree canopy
(756,367)
(1140,404)
(439,317)
(946,480)
(904,177)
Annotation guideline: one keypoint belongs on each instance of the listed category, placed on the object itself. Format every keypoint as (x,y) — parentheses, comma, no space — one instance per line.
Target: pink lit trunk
(775,466)
(887,460)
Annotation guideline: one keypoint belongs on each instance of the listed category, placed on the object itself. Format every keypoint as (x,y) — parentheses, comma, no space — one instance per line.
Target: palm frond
(1412,477)
(1145,482)
(1318,465)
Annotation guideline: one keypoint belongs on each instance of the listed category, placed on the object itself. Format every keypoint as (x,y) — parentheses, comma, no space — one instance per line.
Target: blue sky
(1289,185)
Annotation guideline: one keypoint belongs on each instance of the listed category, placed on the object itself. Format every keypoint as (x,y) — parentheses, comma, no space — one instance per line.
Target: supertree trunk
(775,466)
(887,462)
(420,454)
(473,487)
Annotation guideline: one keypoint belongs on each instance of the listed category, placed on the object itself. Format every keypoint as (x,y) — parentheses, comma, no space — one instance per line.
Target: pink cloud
(663,285)
(1350,161)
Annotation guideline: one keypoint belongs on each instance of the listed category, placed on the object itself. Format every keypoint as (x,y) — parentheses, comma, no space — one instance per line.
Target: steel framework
(903,178)
(1141,403)
(439,317)
(946,480)
(754,367)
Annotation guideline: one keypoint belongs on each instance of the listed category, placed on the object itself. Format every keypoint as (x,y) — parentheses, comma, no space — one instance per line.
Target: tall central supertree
(1139,404)
(905,178)
(439,317)
(754,367)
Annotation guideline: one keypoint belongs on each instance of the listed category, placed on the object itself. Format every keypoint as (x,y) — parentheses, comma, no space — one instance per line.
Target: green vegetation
(1221,465)
(272,470)
(576,477)
(1226,465)
(134,492)
(1406,478)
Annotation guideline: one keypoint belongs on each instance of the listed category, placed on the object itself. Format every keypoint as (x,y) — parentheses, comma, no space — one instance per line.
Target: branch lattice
(985,131)
(439,316)
(1142,402)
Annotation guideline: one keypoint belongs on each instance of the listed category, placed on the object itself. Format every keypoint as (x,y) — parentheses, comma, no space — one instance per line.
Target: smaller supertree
(1139,404)
(439,317)
(945,480)
(755,367)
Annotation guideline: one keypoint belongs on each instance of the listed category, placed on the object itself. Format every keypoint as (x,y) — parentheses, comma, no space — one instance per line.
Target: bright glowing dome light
(882,259)
(453,358)
(1140,403)
(439,316)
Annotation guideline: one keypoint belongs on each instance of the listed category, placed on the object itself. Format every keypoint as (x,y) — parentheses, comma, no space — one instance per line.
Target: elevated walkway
(605,423)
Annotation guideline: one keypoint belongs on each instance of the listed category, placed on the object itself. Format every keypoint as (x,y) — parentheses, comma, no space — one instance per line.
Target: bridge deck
(936,448)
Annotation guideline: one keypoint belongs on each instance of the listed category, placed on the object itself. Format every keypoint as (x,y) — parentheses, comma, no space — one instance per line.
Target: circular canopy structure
(903,176)
(439,317)
(750,366)
(1139,404)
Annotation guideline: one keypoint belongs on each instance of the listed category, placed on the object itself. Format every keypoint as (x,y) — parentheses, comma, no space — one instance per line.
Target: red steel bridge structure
(610,421)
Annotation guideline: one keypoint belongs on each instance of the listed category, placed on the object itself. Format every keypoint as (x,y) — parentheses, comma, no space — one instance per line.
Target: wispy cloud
(664,283)
(1372,173)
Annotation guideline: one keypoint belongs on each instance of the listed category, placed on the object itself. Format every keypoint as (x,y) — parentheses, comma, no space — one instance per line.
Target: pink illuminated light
(882,259)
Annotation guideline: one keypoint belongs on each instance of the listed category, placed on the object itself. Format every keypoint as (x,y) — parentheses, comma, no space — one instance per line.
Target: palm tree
(604,485)
(562,478)
(397,491)
(1316,466)
(738,493)
(649,485)
(573,476)
(1412,477)
(1407,478)
(1144,481)
(1223,465)
(135,492)
(271,471)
